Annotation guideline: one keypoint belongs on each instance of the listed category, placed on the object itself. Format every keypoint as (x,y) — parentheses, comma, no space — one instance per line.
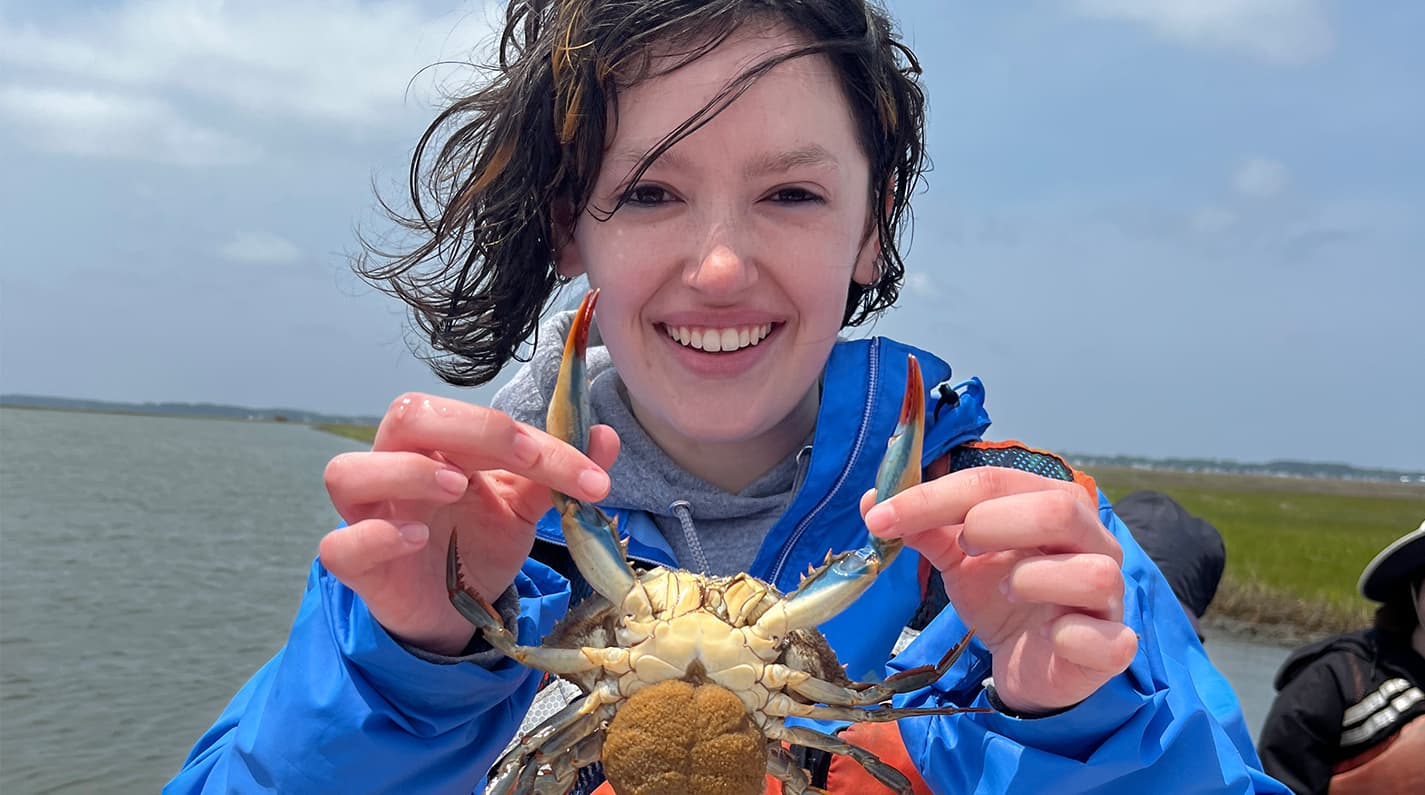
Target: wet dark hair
(488,173)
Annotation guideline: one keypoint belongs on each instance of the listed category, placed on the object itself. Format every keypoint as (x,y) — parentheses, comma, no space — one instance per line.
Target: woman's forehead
(804,86)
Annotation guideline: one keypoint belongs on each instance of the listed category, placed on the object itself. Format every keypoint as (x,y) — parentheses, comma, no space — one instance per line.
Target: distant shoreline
(178,409)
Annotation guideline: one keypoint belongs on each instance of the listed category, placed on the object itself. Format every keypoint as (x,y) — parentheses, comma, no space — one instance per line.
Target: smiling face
(724,275)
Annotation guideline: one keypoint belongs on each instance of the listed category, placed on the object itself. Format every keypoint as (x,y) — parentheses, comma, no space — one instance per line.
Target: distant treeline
(210,410)
(1292,469)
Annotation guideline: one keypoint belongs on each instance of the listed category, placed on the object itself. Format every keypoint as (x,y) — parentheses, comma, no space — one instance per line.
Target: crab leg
(858,694)
(569,728)
(782,767)
(553,659)
(592,537)
(828,590)
(811,738)
(563,771)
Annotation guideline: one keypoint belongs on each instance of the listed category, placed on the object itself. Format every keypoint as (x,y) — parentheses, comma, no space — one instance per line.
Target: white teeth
(715,340)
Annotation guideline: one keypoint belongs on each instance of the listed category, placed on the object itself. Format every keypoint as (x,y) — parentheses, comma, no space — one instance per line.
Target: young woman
(733,177)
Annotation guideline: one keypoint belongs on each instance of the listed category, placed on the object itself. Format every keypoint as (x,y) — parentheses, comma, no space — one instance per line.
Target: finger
(355,481)
(604,445)
(1086,582)
(477,438)
(530,499)
(947,500)
(940,546)
(353,551)
(1106,647)
(1053,521)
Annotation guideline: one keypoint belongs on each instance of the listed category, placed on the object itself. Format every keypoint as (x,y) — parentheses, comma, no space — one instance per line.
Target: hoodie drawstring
(684,511)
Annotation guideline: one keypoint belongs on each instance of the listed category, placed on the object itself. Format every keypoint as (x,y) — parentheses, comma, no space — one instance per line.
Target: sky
(1158,228)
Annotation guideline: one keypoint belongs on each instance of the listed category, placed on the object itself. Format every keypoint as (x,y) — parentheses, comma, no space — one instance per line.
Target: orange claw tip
(914,391)
(579,333)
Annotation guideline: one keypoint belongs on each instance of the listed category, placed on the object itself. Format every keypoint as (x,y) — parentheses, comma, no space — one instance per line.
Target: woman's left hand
(1028,564)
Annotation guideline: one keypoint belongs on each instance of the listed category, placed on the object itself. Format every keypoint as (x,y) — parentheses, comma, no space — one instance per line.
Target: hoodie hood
(1361,643)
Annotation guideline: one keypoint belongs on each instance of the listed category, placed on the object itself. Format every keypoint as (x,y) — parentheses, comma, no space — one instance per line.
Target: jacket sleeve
(1302,734)
(1170,723)
(342,707)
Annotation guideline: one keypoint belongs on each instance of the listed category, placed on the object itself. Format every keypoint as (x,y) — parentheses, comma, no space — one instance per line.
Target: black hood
(1187,549)
(1361,643)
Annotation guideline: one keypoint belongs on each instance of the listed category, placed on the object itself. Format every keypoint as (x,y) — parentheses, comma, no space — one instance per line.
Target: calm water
(149,565)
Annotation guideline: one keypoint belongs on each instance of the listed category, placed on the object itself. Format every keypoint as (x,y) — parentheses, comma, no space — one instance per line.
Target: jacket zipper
(873,371)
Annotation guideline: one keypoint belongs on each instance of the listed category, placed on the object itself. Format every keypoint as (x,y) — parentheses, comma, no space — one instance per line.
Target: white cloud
(339,62)
(115,125)
(1261,178)
(260,248)
(1279,31)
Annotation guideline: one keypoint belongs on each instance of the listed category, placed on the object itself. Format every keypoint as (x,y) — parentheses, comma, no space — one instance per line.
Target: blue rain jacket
(344,708)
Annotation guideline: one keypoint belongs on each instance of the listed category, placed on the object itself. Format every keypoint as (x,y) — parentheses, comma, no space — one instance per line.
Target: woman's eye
(795,195)
(645,194)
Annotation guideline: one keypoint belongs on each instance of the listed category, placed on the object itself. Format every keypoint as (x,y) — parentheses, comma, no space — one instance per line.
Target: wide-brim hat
(1405,556)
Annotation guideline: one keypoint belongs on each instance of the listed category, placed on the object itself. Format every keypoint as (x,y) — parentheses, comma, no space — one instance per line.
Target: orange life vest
(1395,766)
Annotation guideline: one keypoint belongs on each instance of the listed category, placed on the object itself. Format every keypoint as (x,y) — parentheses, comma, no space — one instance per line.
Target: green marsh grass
(1295,546)
(361,433)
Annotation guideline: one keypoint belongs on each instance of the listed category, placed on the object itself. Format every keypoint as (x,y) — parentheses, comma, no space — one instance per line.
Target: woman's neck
(734,465)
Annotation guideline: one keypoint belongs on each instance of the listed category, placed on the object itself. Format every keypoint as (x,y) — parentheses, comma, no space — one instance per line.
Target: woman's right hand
(439,466)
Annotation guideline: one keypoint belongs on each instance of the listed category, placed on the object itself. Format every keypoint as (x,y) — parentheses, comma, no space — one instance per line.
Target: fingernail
(413,533)
(1004,589)
(524,449)
(452,480)
(594,483)
(881,517)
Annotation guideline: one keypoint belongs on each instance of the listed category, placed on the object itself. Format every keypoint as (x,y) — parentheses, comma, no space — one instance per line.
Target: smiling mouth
(719,340)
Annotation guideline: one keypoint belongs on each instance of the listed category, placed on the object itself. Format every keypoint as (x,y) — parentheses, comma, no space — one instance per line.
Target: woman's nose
(723,266)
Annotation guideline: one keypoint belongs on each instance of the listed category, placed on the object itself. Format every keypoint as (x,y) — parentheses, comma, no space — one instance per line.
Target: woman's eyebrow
(810,155)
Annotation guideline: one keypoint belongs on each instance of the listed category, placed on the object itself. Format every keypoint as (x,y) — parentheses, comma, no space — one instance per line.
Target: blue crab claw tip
(913,406)
(568,417)
(900,468)
(583,318)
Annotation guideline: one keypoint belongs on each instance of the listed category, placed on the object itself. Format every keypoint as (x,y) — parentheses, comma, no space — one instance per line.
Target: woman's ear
(568,261)
(867,268)
(868,259)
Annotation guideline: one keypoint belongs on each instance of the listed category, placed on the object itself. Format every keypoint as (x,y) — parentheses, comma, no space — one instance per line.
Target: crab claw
(900,467)
(843,578)
(592,537)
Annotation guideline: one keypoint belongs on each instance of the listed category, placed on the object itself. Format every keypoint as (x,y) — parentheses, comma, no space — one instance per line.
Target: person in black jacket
(1350,713)
(1187,548)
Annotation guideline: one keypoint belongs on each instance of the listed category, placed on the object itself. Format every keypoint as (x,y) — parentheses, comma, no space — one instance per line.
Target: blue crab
(734,647)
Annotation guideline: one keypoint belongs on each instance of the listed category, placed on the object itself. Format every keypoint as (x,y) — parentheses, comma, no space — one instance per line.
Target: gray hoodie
(710,530)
